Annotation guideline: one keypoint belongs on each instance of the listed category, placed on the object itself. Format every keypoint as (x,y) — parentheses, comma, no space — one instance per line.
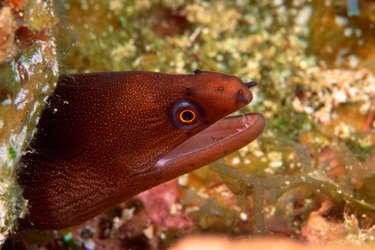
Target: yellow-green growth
(28,74)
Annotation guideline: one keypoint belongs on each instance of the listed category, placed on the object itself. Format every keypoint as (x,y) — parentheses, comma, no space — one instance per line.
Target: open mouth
(223,137)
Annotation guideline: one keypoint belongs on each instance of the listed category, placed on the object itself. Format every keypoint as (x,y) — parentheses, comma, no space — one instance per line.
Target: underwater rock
(223,243)
(8,27)
(28,74)
(320,229)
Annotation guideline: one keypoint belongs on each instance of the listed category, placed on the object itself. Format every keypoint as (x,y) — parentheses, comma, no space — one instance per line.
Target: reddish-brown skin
(101,134)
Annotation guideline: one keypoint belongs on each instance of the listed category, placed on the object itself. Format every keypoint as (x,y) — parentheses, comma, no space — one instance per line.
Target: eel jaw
(222,138)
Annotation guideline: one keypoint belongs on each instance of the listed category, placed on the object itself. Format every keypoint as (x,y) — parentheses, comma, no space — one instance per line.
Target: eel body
(104,137)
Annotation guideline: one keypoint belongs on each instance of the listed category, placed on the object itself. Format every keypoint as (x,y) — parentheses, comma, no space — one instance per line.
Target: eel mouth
(223,137)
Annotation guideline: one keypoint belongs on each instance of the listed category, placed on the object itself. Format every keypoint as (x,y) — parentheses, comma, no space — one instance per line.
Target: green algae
(28,77)
(12,153)
(310,178)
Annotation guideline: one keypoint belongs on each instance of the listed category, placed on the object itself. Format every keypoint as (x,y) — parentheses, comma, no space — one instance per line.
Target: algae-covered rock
(28,74)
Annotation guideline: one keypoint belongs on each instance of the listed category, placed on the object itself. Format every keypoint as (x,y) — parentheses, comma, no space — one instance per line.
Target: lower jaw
(218,140)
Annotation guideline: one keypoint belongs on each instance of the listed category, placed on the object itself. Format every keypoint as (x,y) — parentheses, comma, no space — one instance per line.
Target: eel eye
(185,114)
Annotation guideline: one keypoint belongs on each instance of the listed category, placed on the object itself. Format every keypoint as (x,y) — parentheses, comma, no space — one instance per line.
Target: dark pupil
(187,115)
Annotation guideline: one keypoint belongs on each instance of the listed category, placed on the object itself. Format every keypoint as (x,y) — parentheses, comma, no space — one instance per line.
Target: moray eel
(105,137)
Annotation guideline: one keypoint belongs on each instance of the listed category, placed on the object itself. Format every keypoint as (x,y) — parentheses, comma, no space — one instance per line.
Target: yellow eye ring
(187,116)
(184,114)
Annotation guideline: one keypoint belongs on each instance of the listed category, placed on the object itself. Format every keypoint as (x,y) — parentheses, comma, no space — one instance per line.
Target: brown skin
(101,134)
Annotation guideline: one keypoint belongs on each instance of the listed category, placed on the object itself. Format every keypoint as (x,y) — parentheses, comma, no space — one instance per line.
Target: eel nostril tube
(250,84)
